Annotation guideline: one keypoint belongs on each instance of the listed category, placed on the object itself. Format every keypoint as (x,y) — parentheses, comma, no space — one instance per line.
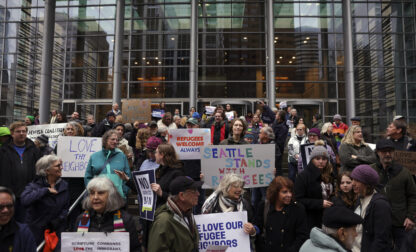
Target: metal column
(271,80)
(193,61)
(118,52)
(47,54)
(349,61)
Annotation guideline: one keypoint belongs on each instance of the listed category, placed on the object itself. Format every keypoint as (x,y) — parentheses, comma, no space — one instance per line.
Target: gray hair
(107,135)
(44,163)
(9,192)
(269,132)
(114,202)
(227,181)
(176,117)
(162,129)
(329,231)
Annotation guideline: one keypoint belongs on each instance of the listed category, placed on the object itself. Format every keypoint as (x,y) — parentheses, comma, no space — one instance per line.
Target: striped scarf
(84,223)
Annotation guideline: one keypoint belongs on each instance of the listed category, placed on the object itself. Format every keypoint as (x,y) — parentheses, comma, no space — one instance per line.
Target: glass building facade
(232,55)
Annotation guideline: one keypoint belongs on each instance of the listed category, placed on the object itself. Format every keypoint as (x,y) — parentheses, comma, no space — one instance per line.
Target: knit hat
(4,131)
(319,151)
(152,143)
(249,136)
(43,138)
(31,118)
(365,174)
(337,116)
(338,217)
(314,131)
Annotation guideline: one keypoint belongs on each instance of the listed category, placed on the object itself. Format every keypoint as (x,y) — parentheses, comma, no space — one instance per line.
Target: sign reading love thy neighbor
(95,241)
(75,153)
(146,196)
(50,130)
(188,142)
(136,110)
(223,229)
(406,159)
(253,163)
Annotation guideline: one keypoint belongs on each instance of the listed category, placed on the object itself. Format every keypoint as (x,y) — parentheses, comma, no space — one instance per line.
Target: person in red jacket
(219,129)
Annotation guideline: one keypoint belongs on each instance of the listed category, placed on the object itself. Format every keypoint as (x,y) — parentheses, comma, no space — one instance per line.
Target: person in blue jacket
(108,160)
(46,198)
(14,236)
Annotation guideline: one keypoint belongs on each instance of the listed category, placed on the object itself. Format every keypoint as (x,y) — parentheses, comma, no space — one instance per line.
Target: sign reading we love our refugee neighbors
(188,142)
(253,163)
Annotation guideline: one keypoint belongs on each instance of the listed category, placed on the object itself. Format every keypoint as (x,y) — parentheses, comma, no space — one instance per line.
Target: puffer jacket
(293,147)
(321,242)
(365,155)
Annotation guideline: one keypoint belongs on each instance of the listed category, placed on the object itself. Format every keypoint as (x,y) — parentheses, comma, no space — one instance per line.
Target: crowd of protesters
(348,197)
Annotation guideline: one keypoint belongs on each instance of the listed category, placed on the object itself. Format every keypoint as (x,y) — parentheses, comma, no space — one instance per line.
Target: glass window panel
(360,24)
(410,40)
(222,89)
(177,10)
(159,90)
(177,24)
(231,40)
(303,73)
(286,9)
(107,12)
(359,9)
(315,9)
(409,9)
(233,57)
(241,73)
(152,73)
(108,26)
(213,10)
(286,23)
(286,89)
(374,9)
(317,25)
(338,9)
(92,12)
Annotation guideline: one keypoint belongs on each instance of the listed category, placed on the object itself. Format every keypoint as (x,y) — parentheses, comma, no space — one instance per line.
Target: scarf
(85,221)
(226,204)
(186,219)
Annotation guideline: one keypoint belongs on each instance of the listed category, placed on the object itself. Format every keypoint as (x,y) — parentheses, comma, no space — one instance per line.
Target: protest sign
(50,130)
(146,196)
(406,159)
(75,153)
(254,163)
(136,110)
(224,229)
(305,151)
(214,248)
(95,241)
(229,115)
(188,142)
(158,113)
(209,110)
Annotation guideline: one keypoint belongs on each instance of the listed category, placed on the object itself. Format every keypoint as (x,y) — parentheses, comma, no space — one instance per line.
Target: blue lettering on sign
(83,145)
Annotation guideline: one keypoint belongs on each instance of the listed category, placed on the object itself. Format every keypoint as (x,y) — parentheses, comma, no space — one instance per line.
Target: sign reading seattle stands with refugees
(50,130)
(75,153)
(253,163)
(188,142)
(224,229)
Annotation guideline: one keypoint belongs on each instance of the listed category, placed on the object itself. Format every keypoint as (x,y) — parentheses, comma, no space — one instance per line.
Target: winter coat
(97,160)
(105,223)
(319,123)
(341,128)
(293,147)
(165,175)
(308,191)
(44,209)
(321,242)
(268,116)
(45,150)
(230,141)
(365,155)
(397,184)
(330,140)
(404,143)
(14,172)
(285,230)
(254,129)
(170,126)
(15,236)
(101,128)
(170,233)
(219,132)
(280,130)
(192,168)
(376,233)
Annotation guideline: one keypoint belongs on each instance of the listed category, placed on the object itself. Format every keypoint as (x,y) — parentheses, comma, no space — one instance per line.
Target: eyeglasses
(8,206)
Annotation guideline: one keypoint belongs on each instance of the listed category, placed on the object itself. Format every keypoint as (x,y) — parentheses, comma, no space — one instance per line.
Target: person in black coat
(314,186)
(280,130)
(344,194)
(375,232)
(106,124)
(281,222)
(46,198)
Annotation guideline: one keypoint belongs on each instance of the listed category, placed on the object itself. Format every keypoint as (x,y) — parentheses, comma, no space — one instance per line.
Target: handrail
(39,248)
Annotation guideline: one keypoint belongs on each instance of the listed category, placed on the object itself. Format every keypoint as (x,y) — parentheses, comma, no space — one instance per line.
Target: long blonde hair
(349,136)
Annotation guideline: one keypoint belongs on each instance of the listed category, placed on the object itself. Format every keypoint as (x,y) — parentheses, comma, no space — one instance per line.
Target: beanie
(365,174)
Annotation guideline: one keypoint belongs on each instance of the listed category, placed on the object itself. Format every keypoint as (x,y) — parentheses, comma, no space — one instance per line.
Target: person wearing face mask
(337,234)
(238,129)
(344,194)
(281,221)
(314,186)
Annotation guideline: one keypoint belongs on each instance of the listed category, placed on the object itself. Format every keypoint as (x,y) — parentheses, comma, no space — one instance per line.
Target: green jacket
(169,232)
(399,187)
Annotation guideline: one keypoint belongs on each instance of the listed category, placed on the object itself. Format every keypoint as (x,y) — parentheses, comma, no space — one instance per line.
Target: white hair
(114,202)
(44,163)
(227,181)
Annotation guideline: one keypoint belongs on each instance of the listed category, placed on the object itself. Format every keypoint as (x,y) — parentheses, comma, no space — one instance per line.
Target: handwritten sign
(146,196)
(95,241)
(223,229)
(188,142)
(50,130)
(75,153)
(254,163)
(136,110)
(210,110)
(229,115)
(406,159)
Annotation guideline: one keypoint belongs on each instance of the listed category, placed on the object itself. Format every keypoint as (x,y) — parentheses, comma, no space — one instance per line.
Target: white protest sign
(75,153)
(229,115)
(95,241)
(210,110)
(145,191)
(224,229)
(254,163)
(50,130)
(188,142)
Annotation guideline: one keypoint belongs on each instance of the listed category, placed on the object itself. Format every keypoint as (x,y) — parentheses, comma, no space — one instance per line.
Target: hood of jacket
(322,240)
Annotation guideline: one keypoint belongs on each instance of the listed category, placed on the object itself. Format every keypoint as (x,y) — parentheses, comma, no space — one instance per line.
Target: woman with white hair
(103,212)
(46,198)
(228,197)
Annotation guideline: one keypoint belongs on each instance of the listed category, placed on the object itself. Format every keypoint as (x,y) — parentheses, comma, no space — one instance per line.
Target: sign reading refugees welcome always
(188,142)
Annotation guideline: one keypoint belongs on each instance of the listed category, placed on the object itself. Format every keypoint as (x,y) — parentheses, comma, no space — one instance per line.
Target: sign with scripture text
(50,130)
(75,153)
(95,241)
(188,142)
(253,163)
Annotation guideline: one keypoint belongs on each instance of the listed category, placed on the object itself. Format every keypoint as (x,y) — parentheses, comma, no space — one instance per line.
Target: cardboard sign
(305,151)
(75,153)
(188,142)
(136,110)
(223,229)
(50,130)
(95,241)
(406,159)
(229,115)
(254,163)
(146,196)
(209,110)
